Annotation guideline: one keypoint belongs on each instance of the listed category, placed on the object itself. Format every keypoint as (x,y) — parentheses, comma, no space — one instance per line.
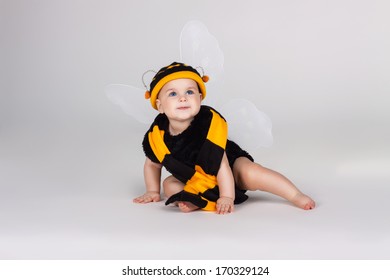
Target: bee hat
(171,72)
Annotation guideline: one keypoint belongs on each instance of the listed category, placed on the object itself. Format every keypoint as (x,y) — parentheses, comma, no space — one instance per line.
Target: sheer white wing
(132,102)
(198,47)
(248,126)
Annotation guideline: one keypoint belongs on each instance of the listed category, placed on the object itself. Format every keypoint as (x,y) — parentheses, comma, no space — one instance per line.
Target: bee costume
(194,156)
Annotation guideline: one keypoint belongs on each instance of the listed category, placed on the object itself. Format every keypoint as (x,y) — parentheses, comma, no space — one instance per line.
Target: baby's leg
(172,186)
(252,176)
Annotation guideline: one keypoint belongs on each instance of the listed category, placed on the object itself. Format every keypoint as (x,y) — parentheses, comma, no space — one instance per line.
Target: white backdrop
(323,59)
(319,69)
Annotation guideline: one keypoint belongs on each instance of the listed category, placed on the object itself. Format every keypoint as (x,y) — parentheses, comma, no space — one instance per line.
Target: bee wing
(132,102)
(248,126)
(198,47)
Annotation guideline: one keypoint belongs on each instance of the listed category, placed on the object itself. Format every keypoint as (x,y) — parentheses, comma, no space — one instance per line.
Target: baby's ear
(159,107)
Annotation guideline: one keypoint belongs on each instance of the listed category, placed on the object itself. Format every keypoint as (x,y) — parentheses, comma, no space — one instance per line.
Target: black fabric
(210,155)
(186,196)
(185,149)
(172,164)
(212,195)
(234,151)
(186,146)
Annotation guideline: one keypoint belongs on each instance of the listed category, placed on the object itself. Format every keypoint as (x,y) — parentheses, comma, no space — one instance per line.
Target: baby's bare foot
(187,206)
(303,201)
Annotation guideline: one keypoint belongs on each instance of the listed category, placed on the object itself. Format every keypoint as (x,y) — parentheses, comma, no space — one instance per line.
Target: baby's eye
(172,94)
(189,92)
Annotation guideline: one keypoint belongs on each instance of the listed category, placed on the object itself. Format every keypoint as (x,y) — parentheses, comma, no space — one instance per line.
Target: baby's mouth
(183,107)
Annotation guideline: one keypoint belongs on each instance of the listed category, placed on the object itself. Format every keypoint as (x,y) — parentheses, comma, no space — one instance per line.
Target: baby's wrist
(227,197)
(152,192)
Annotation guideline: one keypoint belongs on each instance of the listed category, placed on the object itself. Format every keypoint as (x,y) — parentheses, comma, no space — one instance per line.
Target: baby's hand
(225,205)
(148,197)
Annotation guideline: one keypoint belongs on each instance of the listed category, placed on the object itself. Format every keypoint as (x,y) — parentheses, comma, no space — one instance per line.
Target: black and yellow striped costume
(194,156)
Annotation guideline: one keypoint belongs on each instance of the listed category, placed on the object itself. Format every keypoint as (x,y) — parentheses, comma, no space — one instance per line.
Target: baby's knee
(251,176)
(171,185)
(167,182)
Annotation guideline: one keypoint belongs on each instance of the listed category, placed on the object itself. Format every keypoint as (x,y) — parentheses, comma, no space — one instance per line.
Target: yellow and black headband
(171,72)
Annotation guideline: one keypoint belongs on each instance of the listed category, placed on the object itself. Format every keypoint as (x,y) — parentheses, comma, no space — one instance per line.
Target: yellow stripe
(211,206)
(218,130)
(156,141)
(201,182)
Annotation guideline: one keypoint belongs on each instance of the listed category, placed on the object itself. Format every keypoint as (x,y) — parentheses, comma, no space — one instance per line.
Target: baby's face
(179,99)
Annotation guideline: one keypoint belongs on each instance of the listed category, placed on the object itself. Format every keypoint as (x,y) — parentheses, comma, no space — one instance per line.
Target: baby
(209,171)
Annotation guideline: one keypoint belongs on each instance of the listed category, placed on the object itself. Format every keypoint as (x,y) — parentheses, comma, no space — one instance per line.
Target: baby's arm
(152,177)
(225,203)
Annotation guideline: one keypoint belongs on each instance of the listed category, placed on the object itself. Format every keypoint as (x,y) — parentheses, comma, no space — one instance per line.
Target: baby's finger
(146,199)
(219,208)
(228,209)
(222,209)
(141,199)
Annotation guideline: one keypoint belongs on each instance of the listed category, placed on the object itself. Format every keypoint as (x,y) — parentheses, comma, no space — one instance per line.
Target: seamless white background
(71,162)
